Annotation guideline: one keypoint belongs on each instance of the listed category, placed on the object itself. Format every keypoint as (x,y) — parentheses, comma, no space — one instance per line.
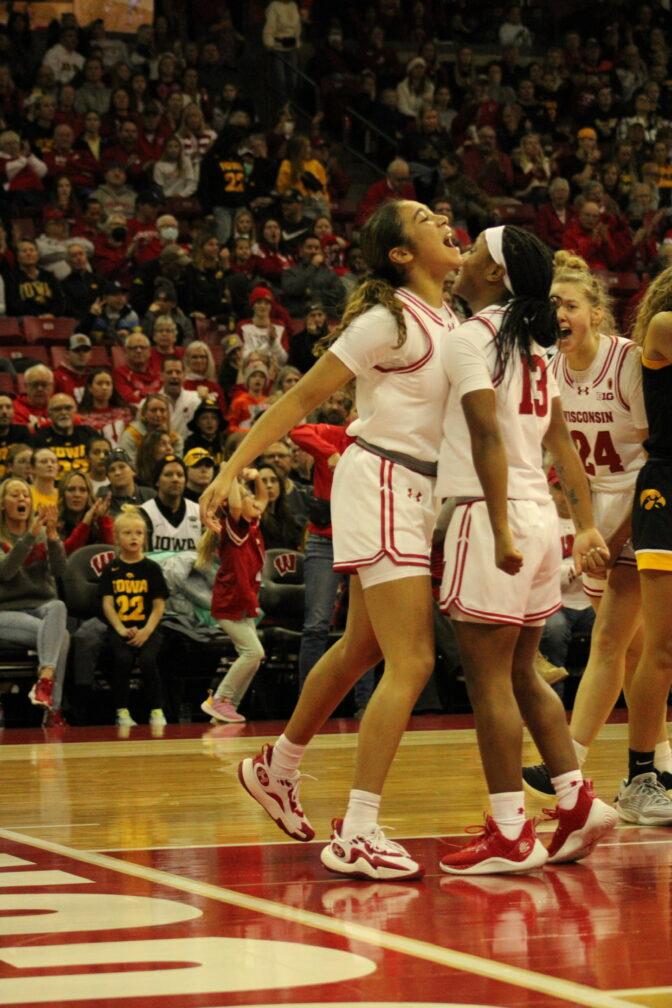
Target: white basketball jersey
(604,411)
(401,391)
(523,396)
(176,538)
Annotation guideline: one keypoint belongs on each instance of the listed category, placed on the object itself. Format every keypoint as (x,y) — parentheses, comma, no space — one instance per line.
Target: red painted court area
(260,925)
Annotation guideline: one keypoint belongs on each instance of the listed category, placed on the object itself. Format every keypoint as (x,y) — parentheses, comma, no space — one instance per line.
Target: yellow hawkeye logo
(650,499)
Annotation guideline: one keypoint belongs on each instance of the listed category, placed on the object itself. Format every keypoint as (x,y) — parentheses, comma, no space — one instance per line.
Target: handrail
(349,111)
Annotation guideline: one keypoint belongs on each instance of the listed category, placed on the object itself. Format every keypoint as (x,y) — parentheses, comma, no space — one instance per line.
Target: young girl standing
(382,521)
(235,595)
(134,595)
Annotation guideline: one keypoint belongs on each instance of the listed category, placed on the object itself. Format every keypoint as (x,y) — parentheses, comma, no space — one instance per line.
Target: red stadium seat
(520,214)
(99,356)
(620,284)
(209,331)
(10,330)
(48,330)
(34,352)
(6,384)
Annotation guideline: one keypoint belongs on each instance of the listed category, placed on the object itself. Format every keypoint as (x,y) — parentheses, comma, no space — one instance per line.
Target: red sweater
(84,535)
(133,386)
(235,593)
(321,440)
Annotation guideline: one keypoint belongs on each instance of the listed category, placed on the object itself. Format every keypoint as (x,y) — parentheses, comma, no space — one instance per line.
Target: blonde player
(502,549)
(382,519)
(600,381)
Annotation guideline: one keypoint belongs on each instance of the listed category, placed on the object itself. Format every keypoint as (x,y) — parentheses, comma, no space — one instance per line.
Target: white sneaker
(644,801)
(124,719)
(278,797)
(369,856)
(157,718)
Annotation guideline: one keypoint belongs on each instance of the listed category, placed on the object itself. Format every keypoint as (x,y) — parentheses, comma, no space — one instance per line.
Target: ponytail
(530,314)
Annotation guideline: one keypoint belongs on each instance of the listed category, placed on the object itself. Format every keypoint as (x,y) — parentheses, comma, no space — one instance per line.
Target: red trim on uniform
(403,293)
(391,545)
(488,617)
(533,617)
(460,556)
(607,363)
(625,350)
(416,365)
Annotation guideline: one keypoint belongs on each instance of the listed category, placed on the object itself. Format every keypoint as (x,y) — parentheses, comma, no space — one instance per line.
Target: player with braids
(652,541)
(599,375)
(502,550)
(382,519)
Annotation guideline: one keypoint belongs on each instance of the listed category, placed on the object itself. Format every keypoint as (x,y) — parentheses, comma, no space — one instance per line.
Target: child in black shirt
(134,591)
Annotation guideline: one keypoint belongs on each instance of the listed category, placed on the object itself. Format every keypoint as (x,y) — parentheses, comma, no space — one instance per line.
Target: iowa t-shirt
(133,587)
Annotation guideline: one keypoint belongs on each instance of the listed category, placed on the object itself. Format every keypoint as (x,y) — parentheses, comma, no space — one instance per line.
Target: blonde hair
(658,298)
(383,231)
(571,268)
(129,513)
(206,550)
(210,374)
(4,486)
(64,484)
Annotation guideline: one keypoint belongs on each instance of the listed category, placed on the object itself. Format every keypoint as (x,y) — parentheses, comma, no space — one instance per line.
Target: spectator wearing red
(136,379)
(77,165)
(72,373)
(591,238)
(21,171)
(397,185)
(90,223)
(152,135)
(125,151)
(32,407)
(142,228)
(271,261)
(487,166)
(110,255)
(554,216)
(260,332)
(247,405)
(242,260)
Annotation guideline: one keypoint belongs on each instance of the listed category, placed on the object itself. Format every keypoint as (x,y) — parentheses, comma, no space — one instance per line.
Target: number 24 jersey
(604,410)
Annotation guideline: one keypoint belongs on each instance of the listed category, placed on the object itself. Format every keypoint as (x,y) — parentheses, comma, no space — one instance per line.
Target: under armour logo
(583,389)
(414,494)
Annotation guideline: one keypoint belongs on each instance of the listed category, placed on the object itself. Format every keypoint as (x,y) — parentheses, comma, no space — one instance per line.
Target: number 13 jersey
(604,410)
(524,393)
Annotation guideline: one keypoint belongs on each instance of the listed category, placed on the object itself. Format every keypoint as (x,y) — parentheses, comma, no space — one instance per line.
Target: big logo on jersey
(650,499)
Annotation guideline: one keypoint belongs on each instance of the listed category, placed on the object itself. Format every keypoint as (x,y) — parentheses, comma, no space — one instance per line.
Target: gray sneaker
(644,801)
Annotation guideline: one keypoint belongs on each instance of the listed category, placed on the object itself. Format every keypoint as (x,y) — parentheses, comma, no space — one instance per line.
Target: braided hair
(382,232)
(530,314)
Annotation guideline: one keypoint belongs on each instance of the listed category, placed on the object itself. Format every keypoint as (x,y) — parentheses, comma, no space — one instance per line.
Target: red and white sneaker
(221,709)
(580,828)
(41,693)
(278,797)
(492,853)
(370,856)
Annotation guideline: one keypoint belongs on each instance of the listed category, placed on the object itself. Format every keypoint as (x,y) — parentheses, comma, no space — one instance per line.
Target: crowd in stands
(176,236)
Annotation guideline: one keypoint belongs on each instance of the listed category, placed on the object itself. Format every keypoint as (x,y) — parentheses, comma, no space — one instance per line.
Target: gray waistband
(415,465)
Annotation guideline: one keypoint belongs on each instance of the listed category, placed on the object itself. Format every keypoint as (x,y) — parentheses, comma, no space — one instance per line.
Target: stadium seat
(99,356)
(10,330)
(520,214)
(80,580)
(48,330)
(6,384)
(34,352)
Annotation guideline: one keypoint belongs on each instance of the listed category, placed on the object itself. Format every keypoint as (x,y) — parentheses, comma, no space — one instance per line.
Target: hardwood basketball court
(137,872)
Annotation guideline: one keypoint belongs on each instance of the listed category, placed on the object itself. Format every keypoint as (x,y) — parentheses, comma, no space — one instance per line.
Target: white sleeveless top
(523,402)
(604,411)
(166,536)
(401,392)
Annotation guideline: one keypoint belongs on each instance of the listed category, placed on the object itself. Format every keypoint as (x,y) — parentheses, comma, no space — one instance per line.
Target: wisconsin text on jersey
(588,416)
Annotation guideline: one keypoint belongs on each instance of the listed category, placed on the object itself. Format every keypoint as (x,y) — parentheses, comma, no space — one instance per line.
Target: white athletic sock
(581,752)
(508,811)
(286,758)
(567,787)
(662,757)
(361,814)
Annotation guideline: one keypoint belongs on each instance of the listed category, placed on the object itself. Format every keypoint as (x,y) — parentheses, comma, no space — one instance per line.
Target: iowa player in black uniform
(646,797)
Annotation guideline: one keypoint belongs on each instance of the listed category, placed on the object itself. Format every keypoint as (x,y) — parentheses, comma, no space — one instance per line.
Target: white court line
(563,990)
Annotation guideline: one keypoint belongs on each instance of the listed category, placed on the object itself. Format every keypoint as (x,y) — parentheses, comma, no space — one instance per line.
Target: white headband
(493,239)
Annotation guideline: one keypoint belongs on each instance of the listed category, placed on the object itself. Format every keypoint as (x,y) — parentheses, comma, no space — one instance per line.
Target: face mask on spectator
(168,233)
